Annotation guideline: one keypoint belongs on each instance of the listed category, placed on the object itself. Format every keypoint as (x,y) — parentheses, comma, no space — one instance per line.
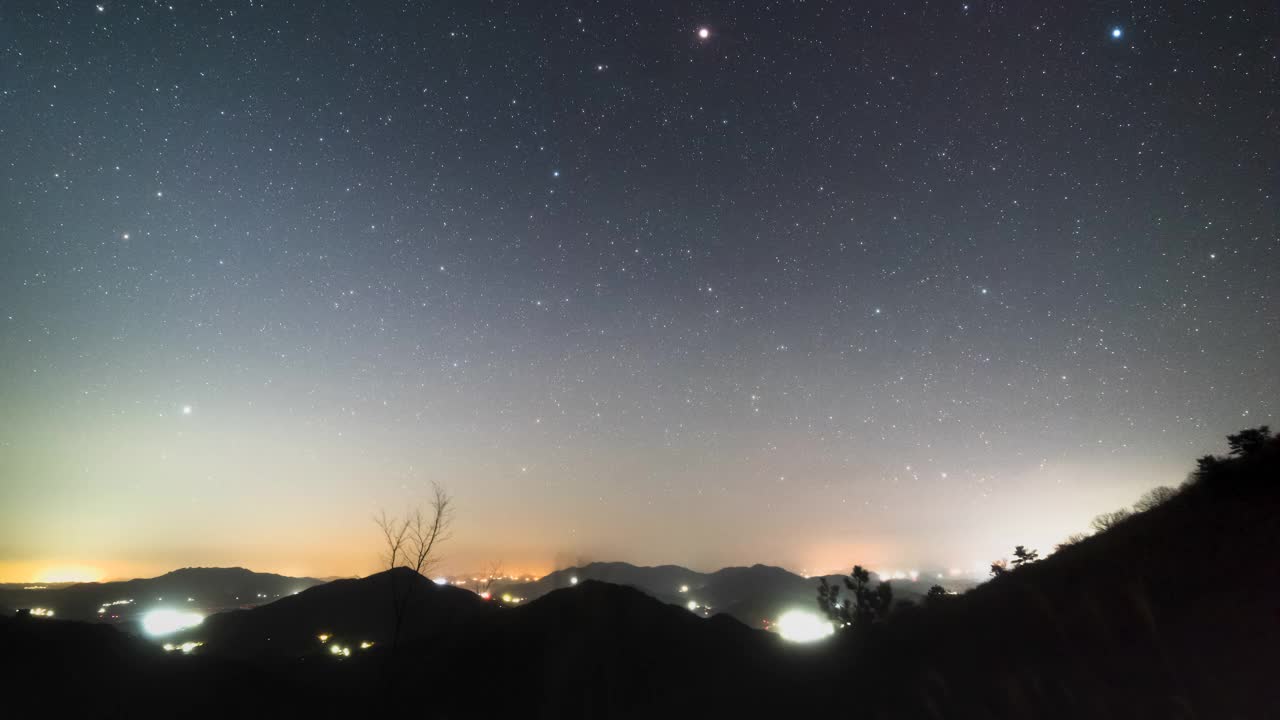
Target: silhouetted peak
(210,571)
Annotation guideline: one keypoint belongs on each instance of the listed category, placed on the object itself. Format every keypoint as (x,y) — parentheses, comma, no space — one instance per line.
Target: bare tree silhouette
(1154,497)
(1106,521)
(1070,540)
(411,541)
(493,574)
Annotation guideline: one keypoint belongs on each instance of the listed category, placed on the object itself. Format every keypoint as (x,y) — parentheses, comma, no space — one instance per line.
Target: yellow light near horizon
(69,573)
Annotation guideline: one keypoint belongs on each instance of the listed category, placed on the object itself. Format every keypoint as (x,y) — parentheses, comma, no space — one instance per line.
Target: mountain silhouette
(351,611)
(209,590)
(603,650)
(751,595)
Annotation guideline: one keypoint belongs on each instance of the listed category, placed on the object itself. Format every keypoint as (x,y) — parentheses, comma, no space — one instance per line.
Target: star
(1117,33)
(704,33)
(186,409)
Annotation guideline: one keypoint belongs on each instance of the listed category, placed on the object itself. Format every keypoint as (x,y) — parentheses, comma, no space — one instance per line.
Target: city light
(573,580)
(41,612)
(167,622)
(802,626)
(185,647)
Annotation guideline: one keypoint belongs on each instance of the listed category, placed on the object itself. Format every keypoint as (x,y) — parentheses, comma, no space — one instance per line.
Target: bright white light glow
(1117,33)
(684,588)
(573,580)
(802,626)
(442,581)
(165,621)
(692,605)
(704,33)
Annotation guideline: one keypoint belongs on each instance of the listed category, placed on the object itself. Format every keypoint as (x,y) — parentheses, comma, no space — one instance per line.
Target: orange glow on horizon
(69,573)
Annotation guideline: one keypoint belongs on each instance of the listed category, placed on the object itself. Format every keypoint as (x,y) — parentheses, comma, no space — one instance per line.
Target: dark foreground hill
(594,650)
(603,650)
(350,611)
(1171,613)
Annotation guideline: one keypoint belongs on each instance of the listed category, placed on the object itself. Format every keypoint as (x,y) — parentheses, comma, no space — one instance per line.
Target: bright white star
(1117,33)
(704,33)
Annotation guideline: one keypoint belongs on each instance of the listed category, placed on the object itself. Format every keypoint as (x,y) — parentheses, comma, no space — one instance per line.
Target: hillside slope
(350,610)
(1174,612)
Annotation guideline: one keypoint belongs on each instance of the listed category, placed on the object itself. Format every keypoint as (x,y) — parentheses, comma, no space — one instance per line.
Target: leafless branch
(412,541)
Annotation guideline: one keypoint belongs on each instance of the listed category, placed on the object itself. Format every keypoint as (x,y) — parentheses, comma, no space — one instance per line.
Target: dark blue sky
(898,283)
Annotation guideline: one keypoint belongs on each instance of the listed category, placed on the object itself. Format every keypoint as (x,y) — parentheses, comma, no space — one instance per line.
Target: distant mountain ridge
(205,589)
(751,594)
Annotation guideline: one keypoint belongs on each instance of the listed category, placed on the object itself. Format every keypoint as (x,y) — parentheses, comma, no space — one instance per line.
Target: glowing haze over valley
(654,283)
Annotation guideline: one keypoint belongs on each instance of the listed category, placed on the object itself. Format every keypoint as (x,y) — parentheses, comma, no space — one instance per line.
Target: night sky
(803,283)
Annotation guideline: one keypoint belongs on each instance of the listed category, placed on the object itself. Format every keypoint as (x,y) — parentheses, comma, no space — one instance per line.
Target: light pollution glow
(329,539)
(709,303)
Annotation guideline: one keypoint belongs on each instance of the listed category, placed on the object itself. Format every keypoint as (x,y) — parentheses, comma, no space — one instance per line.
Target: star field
(804,283)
